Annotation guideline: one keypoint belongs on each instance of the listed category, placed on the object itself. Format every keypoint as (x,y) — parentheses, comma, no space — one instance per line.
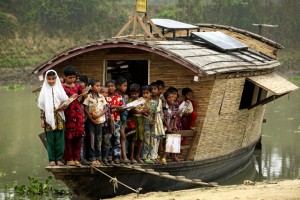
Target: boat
(232,74)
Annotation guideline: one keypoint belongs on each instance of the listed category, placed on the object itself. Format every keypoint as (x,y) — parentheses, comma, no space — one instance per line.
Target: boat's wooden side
(91,184)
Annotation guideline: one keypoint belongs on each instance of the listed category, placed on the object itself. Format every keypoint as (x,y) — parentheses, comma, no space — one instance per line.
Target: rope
(115,181)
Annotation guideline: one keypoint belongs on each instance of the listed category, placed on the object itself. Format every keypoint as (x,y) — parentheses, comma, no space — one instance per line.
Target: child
(116,102)
(190,115)
(95,109)
(51,96)
(121,89)
(148,122)
(83,150)
(107,127)
(159,132)
(138,123)
(161,88)
(74,120)
(170,119)
(126,97)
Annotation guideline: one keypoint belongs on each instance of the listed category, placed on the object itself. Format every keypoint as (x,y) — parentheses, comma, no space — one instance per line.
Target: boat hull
(88,183)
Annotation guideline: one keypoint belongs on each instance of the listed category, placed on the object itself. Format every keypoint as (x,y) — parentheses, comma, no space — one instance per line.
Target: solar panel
(220,40)
(172,24)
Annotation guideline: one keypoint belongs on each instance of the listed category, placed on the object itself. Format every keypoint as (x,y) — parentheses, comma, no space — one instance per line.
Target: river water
(22,153)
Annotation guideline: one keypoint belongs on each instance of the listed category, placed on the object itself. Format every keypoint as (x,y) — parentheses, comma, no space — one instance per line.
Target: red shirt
(115,100)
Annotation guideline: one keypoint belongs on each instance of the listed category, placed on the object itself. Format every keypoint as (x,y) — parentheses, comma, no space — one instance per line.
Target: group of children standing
(96,126)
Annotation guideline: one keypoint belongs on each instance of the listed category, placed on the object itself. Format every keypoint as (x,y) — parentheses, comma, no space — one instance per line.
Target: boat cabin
(230,71)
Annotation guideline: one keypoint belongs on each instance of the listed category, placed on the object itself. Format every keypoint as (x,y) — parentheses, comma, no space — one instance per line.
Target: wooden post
(264,25)
(137,21)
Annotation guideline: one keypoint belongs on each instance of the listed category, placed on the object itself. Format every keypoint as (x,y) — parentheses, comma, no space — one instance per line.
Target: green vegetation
(36,187)
(33,30)
(14,87)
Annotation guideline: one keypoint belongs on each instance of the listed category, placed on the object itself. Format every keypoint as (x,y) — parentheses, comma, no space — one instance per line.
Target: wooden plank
(155,28)
(145,28)
(191,146)
(125,27)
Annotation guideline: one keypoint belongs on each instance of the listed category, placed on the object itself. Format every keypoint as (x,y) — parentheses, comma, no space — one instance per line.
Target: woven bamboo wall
(226,128)
(223,128)
(90,64)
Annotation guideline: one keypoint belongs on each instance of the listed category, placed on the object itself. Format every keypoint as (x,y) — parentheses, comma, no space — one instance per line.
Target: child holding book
(74,129)
(189,115)
(51,97)
(136,116)
(158,131)
(95,109)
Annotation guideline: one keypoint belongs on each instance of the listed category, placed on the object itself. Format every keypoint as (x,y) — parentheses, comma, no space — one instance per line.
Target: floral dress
(74,115)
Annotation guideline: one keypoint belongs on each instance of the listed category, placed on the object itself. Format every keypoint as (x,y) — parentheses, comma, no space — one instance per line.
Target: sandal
(59,163)
(163,161)
(71,163)
(77,163)
(94,163)
(139,161)
(157,161)
(132,161)
(126,161)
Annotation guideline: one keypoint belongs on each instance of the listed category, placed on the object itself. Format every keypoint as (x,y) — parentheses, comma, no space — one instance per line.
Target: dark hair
(121,81)
(135,88)
(172,89)
(186,90)
(166,94)
(70,71)
(110,81)
(51,73)
(160,83)
(84,79)
(93,81)
(154,84)
(147,87)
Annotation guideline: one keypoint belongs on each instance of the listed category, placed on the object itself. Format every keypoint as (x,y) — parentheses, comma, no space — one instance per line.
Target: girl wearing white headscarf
(51,97)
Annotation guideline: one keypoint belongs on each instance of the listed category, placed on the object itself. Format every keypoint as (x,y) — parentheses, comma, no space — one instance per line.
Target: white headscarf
(46,100)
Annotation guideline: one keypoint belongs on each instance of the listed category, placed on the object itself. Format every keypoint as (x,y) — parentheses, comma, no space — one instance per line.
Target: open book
(185,107)
(134,104)
(67,102)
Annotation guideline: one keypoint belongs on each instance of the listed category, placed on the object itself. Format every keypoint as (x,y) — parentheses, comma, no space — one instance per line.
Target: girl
(74,120)
(170,119)
(190,115)
(51,96)
(159,132)
(95,109)
(116,103)
(138,122)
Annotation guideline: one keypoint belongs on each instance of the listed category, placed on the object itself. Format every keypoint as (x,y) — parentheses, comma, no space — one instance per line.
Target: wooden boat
(232,86)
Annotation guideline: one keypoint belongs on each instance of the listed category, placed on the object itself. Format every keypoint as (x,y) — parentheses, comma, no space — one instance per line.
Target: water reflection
(21,152)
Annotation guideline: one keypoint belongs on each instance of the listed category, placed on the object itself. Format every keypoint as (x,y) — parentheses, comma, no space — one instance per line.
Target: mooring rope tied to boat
(115,182)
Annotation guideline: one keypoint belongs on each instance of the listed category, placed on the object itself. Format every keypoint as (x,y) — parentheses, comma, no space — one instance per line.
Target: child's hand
(85,96)
(61,108)
(94,122)
(120,108)
(43,123)
(74,96)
